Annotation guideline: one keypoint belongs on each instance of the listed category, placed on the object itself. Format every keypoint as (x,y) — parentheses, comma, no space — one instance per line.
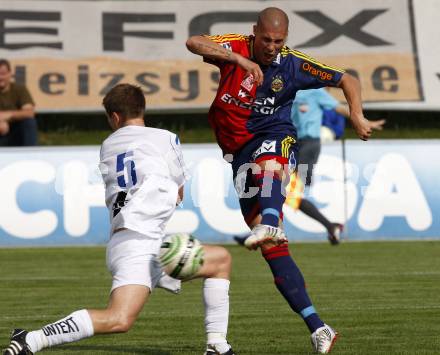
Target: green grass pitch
(383,298)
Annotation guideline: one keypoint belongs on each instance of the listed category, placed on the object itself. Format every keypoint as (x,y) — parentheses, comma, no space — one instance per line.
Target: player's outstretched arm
(377,125)
(352,91)
(207,48)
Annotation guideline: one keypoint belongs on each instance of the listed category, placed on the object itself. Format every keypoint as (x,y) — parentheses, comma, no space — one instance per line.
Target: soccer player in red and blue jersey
(251,119)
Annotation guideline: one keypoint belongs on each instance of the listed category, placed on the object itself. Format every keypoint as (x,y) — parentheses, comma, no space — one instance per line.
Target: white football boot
(323,339)
(263,233)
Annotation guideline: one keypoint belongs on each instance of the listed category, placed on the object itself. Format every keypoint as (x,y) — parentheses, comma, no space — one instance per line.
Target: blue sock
(290,283)
(271,198)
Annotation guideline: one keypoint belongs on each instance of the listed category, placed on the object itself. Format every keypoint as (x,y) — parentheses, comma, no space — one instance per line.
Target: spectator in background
(18,126)
(307,115)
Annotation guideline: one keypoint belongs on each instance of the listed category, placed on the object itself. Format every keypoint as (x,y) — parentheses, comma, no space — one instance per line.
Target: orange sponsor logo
(323,75)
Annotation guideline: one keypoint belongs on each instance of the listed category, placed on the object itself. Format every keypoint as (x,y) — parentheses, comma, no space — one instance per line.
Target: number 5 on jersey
(125,170)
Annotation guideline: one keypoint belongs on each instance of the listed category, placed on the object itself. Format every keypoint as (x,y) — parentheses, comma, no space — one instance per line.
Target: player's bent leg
(217,263)
(126,302)
(271,196)
(75,326)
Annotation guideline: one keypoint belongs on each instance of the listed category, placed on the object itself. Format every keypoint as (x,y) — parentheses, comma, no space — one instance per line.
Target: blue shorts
(277,146)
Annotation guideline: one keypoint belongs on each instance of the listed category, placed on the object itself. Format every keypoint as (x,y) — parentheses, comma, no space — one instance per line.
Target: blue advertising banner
(385,190)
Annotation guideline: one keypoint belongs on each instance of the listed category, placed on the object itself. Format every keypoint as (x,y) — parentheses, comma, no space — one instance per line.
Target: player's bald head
(273,18)
(270,34)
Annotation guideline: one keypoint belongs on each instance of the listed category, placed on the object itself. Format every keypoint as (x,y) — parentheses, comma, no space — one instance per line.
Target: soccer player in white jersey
(144,173)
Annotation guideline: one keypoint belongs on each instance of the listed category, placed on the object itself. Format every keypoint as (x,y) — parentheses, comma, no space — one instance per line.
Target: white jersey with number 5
(142,168)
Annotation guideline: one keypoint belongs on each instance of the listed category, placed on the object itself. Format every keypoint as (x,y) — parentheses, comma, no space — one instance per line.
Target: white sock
(216,299)
(220,348)
(168,283)
(75,326)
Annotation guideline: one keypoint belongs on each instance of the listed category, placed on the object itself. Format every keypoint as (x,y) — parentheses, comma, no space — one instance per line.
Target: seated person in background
(18,126)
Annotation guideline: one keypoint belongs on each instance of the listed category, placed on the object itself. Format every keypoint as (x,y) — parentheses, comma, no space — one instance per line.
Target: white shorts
(132,259)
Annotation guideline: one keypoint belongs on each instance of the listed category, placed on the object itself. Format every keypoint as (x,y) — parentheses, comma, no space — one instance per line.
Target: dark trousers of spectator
(309,149)
(21,133)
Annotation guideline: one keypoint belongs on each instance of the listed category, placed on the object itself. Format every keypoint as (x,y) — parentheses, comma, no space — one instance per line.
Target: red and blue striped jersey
(241,110)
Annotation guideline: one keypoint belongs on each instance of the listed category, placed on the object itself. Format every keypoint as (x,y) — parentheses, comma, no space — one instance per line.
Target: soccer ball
(181,256)
(327,135)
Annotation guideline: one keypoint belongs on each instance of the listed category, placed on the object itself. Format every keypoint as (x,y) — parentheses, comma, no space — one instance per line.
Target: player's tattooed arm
(205,47)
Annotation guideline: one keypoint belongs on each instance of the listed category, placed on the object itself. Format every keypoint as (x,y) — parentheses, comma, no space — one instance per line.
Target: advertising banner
(426,18)
(70,53)
(55,196)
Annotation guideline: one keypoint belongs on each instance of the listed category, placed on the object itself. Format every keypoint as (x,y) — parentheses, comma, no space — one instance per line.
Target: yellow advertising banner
(70,84)
(73,84)
(69,53)
(384,78)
